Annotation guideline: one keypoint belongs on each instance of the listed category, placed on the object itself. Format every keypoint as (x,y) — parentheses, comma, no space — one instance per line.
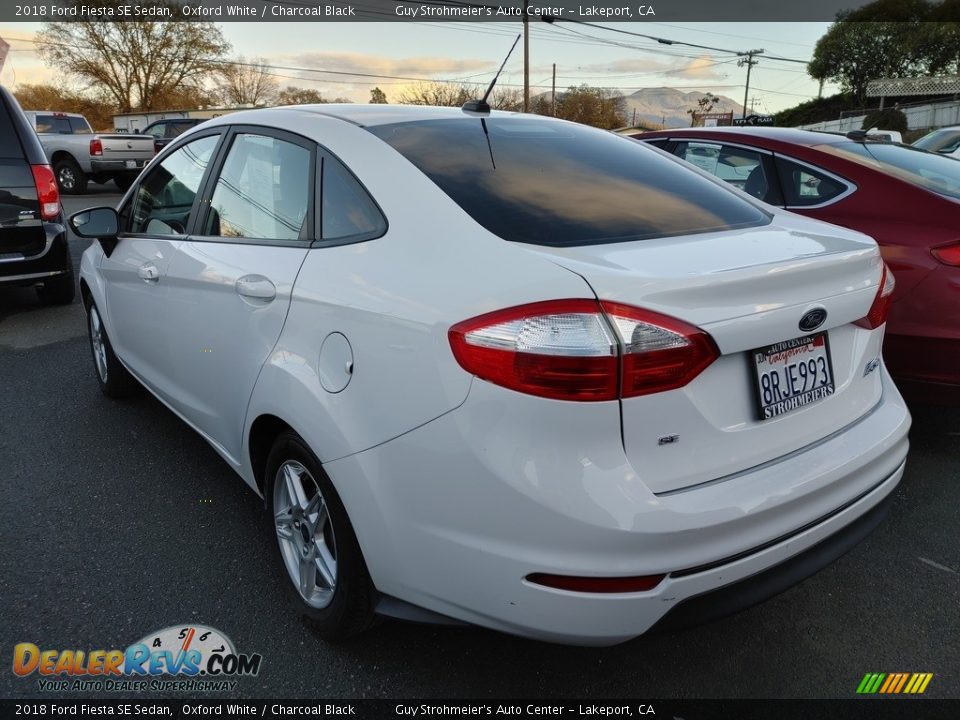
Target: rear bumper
(53,260)
(116,166)
(454,515)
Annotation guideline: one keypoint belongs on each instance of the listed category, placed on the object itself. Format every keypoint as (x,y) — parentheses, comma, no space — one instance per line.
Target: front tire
(70,177)
(114,379)
(319,556)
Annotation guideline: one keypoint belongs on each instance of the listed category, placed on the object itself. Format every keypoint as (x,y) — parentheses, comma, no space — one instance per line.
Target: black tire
(70,178)
(59,290)
(351,608)
(123,182)
(114,379)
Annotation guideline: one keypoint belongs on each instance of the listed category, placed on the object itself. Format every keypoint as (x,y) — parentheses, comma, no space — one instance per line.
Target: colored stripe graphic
(894,683)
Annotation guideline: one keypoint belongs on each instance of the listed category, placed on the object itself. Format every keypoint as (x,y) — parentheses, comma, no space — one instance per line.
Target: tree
(704,105)
(98,111)
(291,95)
(888,38)
(243,82)
(456,94)
(599,107)
(378,97)
(133,62)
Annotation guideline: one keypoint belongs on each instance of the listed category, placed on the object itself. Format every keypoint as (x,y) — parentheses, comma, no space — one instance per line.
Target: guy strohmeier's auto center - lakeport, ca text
(161,11)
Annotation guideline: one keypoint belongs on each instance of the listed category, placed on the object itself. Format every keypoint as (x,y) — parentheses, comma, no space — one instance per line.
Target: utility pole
(553,92)
(526,58)
(746,58)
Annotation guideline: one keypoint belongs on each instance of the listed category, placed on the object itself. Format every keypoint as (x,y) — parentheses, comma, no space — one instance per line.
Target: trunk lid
(748,289)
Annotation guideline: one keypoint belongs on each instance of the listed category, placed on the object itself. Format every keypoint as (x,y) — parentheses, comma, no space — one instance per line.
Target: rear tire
(70,178)
(114,379)
(313,531)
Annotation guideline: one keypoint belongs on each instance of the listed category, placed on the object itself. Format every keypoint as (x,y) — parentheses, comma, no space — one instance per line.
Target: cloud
(701,68)
(425,66)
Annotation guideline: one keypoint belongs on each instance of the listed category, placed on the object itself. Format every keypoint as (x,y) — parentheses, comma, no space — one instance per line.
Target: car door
(230,282)
(153,223)
(745,168)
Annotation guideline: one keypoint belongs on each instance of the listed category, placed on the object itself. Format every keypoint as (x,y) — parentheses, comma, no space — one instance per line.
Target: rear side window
(79,126)
(551,183)
(804,186)
(347,211)
(263,191)
(59,124)
(164,199)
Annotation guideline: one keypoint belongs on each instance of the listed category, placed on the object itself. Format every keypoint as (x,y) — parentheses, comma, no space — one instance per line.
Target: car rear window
(54,124)
(12,148)
(545,182)
(919,167)
(942,141)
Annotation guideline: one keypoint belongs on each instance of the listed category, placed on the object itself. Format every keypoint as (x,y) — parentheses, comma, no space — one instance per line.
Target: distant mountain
(668,106)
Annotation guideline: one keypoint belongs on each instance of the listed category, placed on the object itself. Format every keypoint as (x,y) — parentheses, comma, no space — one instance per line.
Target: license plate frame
(794,349)
(132,164)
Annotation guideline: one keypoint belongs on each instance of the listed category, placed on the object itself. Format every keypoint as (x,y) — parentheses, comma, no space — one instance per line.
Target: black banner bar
(555,11)
(900,708)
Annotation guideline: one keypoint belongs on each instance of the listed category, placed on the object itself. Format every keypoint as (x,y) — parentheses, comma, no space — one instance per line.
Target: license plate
(792,374)
(132,164)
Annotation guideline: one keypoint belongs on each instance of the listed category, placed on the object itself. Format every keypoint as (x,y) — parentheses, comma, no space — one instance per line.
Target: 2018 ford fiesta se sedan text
(502,369)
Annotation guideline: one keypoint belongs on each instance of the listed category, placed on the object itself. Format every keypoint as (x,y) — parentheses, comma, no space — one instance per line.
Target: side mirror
(101,223)
(96,223)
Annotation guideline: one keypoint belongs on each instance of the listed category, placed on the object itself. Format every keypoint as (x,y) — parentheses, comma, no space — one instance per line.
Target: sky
(473,51)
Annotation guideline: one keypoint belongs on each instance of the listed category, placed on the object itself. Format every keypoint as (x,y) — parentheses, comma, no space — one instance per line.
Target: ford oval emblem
(813,319)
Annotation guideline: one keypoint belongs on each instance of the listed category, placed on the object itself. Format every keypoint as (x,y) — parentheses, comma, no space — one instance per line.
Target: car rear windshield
(942,141)
(560,184)
(919,167)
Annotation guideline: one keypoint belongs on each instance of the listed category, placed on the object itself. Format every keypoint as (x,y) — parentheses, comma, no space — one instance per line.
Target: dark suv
(33,236)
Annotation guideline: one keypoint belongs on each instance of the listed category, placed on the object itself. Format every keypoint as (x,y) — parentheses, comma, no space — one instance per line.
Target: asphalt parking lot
(117,520)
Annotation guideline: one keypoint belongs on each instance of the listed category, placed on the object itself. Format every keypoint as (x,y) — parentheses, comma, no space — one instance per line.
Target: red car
(907,199)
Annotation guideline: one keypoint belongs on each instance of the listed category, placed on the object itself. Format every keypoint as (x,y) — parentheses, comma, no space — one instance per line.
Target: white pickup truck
(78,155)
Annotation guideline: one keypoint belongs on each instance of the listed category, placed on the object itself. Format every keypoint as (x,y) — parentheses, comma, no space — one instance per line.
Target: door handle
(148,272)
(257,287)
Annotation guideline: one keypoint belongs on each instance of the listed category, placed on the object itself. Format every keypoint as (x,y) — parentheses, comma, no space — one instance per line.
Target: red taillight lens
(573,350)
(637,583)
(659,352)
(881,303)
(560,349)
(949,255)
(96,147)
(47,191)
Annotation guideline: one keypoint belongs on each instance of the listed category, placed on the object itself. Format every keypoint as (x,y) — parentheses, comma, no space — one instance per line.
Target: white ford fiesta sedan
(502,369)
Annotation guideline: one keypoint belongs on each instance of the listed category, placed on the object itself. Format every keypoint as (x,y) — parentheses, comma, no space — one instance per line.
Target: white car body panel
(457,488)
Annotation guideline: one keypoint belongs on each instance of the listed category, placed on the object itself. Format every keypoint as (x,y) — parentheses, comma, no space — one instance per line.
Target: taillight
(47,191)
(659,352)
(96,147)
(949,255)
(581,350)
(881,303)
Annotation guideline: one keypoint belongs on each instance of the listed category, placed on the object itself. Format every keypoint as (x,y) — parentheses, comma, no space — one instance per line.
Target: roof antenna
(481,105)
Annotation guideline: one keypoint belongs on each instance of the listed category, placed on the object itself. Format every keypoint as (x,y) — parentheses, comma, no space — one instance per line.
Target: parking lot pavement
(117,520)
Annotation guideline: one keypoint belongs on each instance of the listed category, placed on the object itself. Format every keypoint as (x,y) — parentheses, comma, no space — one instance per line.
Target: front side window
(157,130)
(804,186)
(263,191)
(540,181)
(164,199)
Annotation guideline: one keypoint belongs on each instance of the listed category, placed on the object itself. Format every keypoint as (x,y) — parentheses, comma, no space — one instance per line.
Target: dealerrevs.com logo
(191,658)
